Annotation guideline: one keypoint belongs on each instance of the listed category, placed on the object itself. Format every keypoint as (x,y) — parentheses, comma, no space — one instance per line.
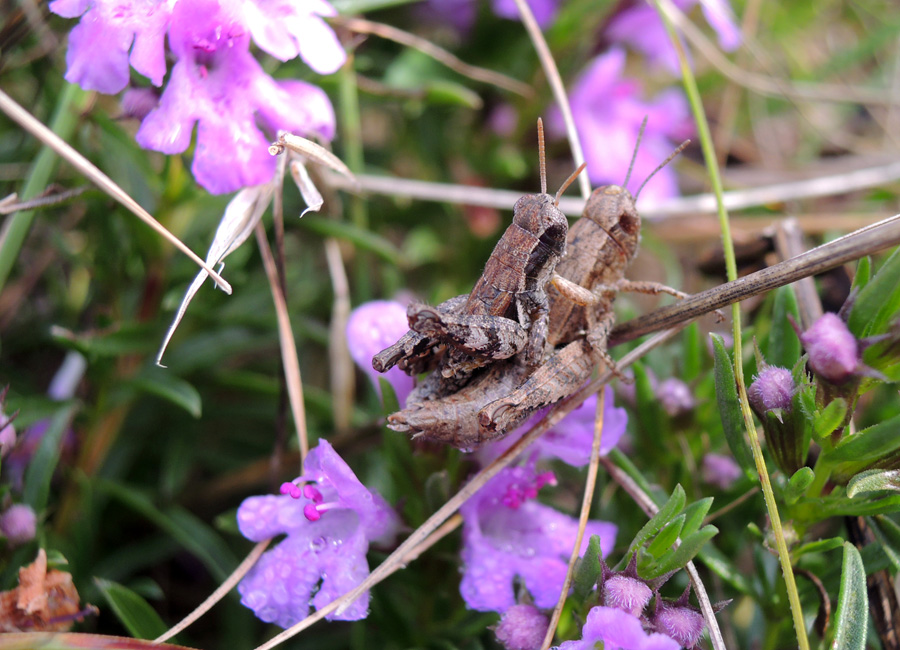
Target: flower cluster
(329,518)
(215,83)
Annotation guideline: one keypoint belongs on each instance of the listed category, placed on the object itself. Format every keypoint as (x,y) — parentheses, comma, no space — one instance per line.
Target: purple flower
(773,389)
(522,627)
(720,470)
(544,10)
(675,396)
(507,534)
(218,85)
(18,524)
(461,14)
(328,534)
(572,439)
(834,353)
(641,28)
(682,623)
(372,327)
(137,103)
(617,630)
(111,35)
(608,112)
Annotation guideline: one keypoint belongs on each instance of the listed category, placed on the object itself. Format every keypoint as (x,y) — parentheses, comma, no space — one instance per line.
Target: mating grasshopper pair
(556,338)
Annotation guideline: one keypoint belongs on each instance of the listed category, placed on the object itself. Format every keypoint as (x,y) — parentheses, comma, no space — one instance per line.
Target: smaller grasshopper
(505,314)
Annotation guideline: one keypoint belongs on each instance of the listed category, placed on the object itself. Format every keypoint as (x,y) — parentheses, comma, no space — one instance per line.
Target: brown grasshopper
(507,311)
(600,245)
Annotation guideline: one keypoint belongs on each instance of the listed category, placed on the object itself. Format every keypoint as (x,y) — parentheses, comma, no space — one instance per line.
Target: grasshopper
(601,244)
(507,311)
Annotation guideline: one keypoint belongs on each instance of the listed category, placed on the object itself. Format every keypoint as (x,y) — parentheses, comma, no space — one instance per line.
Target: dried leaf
(311,150)
(43,601)
(241,216)
(308,189)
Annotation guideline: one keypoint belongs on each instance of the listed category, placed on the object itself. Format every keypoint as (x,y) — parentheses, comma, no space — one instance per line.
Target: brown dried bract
(44,601)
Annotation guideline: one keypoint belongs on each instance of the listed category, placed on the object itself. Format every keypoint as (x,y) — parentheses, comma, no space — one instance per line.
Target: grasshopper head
(611,207)
(538,215)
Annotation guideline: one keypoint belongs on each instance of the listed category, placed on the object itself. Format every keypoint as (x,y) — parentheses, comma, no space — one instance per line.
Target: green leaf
(798,484)
(868,445)
(671,508)
(666,537)
(691,353)
(829,418)
(649,412)
(818,546)
(852,616)
(165,384)
(784,346)
(874,480)
(690,546)
(730,407)
(138,617)
(694,515)
(360,237)
(863,274)
(43,463)
(127,338)
(452,94)
(390,403)
(724,567)
(887,532)
(878,301)
(588,569)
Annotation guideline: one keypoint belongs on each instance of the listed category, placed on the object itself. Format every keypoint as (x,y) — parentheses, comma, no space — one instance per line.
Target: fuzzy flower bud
(626,593)
(675,396)
(682,623)
(772,390)
(18,524)
(522,627)
(834,353)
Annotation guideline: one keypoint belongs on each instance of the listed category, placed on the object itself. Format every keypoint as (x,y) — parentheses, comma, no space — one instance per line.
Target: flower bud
(624,590)
(773,389)
(720,470)
(675,396)
(681,623)
(522,627)
(18,524)
(834,353)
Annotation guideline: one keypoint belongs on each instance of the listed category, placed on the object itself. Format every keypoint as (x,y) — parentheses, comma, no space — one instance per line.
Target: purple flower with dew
(772,390)
(617,630)
(675,396)
(218,85)
(506,533)
(544,10)
(720,470)
(329,518)
(372,327)
(522,627)
(18,524)
(608,112)
(572,439)
(641,28)
(834,353)
(110,36)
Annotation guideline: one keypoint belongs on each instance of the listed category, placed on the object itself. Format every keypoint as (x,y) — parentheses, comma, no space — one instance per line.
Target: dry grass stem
(559,91)
(101,180)
(848,248)
(442,531)
(229,583)
(687,206)
(288,347)
(589,487)
(10,204)
(425,46)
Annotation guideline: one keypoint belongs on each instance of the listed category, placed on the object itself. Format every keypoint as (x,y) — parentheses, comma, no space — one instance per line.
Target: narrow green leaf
(694,515)
(887,533)
(43,463)
(852,616)
(389,401)
(878,300)
(452,94)
(869,444)
(663,541)
(863,273)
(730,407)
(671,508)
(818,546)
(170,387)
(649,412)
(691,353)
(784,346)
(724,567)
(138,617)
(874,480)
(829,418)
(686,552)
(363,239)
(588,569)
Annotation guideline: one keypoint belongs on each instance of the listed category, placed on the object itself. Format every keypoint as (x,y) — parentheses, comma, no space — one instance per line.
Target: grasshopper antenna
(541,156)
(637,145)
(665,162)
(569,181)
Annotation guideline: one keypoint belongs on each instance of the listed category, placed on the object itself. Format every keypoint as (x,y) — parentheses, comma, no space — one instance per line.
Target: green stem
(15,229)
(709,156)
